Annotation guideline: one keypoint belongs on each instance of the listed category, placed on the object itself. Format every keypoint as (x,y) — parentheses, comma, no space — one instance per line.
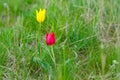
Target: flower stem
(39,38)
(53,56)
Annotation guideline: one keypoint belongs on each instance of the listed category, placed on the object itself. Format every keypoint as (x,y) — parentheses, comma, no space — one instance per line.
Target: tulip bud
(50,39)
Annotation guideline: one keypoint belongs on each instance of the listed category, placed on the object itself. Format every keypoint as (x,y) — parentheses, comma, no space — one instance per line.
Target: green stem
(39,38)
(53,56)
(64,63)
(39,30)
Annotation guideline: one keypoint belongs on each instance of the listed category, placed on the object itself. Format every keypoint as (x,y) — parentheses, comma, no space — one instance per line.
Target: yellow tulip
(40,15)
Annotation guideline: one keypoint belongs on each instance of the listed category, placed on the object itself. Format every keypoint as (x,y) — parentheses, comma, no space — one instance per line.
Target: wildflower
(50,39)
(40,15)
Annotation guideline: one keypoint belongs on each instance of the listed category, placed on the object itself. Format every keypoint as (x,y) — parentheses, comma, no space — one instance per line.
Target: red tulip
(50,39)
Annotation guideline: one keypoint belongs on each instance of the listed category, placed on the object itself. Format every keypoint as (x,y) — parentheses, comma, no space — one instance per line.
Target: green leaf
(39,63)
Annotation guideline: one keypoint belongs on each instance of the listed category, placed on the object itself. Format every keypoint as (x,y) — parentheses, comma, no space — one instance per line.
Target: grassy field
(87,40)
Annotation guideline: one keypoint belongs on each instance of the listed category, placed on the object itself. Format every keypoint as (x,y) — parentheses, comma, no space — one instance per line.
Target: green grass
(87,40)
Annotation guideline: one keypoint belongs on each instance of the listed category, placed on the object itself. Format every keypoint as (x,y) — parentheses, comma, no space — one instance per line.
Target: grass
(87,40)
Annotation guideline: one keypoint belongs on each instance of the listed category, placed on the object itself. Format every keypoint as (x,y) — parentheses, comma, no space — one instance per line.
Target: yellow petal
(36,12)
(44,11)
(40,15)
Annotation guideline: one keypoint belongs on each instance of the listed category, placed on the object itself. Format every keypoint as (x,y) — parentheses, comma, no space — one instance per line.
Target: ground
(87,40)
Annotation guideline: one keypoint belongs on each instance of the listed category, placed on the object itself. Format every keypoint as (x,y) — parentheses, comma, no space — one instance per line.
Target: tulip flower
(50,39)
(40,15)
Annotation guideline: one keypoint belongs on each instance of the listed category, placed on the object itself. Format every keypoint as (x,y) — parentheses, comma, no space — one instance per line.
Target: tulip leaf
(41,63)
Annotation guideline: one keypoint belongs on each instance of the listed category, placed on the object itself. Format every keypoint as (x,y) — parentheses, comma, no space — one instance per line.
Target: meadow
(87,43)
